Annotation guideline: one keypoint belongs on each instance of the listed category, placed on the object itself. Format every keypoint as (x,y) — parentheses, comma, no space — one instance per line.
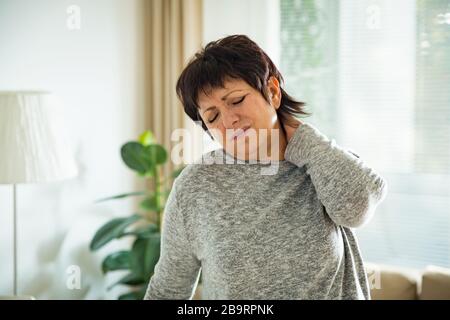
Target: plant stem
(157,199)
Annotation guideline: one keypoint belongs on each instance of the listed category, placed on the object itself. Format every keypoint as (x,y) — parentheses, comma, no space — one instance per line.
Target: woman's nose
(229,118)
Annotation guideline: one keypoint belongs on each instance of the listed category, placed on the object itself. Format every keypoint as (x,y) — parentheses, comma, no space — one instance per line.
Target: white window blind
(376,76)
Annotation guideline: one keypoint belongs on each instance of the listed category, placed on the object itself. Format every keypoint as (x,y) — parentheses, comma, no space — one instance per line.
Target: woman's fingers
(290,129)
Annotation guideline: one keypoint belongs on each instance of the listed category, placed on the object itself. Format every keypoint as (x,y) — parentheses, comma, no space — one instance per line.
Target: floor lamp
(32,149)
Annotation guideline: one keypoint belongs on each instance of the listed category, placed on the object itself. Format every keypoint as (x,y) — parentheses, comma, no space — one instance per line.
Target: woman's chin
(241,153)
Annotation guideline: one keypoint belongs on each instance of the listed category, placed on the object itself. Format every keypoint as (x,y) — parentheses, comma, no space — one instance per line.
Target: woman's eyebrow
(223,98)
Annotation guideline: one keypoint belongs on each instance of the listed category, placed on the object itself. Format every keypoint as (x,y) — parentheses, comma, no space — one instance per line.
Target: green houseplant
(145,157)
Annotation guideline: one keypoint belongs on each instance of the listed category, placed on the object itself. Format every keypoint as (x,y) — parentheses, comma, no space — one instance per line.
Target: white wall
(96,71)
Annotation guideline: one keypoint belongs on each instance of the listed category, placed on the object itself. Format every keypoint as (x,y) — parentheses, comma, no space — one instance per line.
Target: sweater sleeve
(177,270)
(348,189)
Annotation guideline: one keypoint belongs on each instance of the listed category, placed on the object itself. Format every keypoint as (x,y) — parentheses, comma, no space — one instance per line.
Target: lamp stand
(15,238)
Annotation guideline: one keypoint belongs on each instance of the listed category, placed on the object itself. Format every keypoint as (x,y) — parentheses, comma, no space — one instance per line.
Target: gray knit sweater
(287,234)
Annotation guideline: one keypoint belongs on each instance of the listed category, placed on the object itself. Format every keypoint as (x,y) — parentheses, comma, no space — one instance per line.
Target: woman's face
(239,106)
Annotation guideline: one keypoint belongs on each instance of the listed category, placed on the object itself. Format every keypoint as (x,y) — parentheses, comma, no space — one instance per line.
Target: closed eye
(234,103)
(211,121)
(240,101)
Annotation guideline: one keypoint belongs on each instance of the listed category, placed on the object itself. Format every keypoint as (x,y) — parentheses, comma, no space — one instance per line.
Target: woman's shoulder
(195,181)
(197,173)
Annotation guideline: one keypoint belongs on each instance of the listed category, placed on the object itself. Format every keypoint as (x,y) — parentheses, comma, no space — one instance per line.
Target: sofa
(399,283)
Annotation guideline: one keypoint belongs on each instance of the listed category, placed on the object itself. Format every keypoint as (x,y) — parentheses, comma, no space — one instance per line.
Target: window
(376,76)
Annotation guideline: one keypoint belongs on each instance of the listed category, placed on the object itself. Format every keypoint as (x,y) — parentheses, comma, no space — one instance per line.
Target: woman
(287,235)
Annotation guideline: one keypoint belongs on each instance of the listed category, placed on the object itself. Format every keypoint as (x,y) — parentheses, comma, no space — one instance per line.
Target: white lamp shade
(32,147)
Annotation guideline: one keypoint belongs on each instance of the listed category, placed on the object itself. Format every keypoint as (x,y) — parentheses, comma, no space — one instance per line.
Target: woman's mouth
(240,133)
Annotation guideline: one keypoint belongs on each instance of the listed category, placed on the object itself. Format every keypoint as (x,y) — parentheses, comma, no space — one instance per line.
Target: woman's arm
(178,268)
(349,190)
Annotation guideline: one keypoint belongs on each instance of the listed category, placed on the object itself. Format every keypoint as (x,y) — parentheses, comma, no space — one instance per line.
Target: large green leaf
(145,254)
(156,153)
(123,195)
(111,230)
(152,253)
(130,279)
(136,157)
(143,232)
(120,260)
(143,159)
(148,174)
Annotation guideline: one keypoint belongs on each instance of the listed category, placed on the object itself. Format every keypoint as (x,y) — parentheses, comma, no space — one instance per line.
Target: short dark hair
(232,57)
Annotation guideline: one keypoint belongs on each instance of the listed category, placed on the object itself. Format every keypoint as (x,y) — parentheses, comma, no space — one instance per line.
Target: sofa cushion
(392,282)
(435,284)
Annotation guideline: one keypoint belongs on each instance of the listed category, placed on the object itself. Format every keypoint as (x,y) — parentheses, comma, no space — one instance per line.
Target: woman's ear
(274,92)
